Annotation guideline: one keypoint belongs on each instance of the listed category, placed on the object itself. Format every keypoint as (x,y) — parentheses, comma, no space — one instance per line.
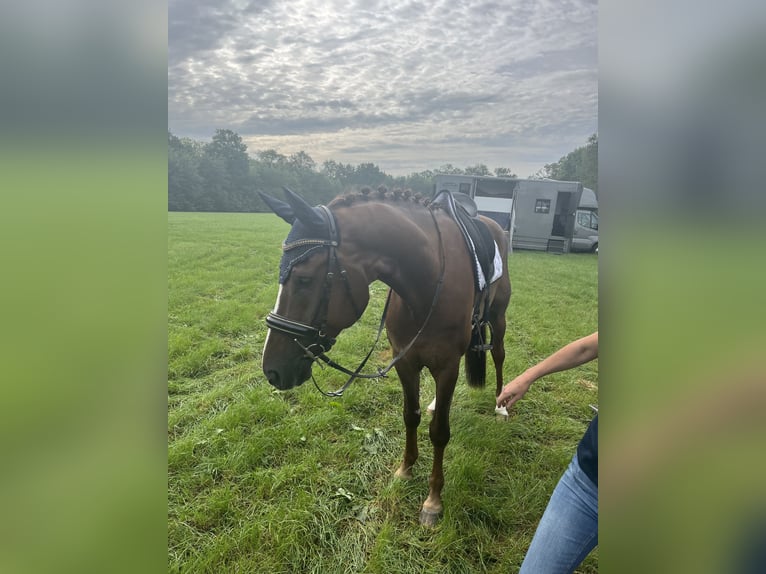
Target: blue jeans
(568,530)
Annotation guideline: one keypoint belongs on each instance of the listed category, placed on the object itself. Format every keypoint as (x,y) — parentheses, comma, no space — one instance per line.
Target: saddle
(478,239)
(482,249)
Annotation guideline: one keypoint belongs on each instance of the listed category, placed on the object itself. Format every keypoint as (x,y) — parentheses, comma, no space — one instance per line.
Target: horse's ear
(279,207)
(310,216)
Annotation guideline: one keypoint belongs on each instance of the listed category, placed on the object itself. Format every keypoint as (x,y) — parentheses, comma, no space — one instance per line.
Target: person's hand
(513,391)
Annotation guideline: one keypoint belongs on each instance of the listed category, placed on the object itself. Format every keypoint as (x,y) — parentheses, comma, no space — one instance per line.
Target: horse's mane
(383,194)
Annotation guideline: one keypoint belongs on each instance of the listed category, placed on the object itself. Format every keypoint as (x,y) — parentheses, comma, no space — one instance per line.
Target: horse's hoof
(429,518)
(404,474)
(431,408)
(501,412)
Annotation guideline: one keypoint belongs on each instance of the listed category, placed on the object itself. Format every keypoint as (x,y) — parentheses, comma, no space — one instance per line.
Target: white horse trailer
(537,214)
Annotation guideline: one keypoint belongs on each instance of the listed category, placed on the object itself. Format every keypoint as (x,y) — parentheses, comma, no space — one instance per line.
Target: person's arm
(572,355)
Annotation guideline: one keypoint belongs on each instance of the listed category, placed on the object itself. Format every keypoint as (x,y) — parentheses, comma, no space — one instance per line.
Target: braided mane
(382,193)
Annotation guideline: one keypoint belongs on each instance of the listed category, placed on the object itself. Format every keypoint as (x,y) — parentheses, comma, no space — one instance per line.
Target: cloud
(416,78)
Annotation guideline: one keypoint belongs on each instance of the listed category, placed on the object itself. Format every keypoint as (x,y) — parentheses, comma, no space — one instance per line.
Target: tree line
(578,165)
(220,175)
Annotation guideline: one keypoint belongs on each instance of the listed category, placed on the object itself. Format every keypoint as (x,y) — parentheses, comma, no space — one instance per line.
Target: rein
(317,350)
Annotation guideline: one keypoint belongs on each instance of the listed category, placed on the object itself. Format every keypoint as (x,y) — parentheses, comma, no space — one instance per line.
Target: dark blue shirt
(587,451)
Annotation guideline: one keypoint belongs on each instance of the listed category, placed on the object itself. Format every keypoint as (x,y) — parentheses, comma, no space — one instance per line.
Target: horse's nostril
(273,378)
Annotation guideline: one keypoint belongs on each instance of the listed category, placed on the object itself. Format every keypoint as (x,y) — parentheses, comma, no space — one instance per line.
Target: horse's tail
(476,358)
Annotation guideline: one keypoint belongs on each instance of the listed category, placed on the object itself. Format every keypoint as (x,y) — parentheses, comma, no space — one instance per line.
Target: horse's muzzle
(289,375)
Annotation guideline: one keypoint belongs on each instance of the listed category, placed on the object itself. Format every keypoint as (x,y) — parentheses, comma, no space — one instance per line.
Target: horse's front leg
(410,379)
(439,431)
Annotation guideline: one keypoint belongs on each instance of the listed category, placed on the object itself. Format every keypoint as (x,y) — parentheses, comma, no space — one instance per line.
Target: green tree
(578,165)
(478,169)
(185,185)
(271,157)
(229,146)
(504,172)
(216,183)
(301,160)
(225,168)
(338,171)
(449,169)
(421,182)
(369,174)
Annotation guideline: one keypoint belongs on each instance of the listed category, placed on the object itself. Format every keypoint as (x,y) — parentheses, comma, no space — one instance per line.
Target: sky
(405,85)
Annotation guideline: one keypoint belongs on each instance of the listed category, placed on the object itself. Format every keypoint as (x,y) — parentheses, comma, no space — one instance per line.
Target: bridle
(316,332)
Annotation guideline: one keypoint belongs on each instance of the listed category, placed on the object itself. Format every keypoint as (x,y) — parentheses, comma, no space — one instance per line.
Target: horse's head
(321,292)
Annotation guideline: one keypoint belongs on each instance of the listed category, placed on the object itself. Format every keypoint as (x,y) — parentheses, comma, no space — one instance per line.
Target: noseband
(316,332)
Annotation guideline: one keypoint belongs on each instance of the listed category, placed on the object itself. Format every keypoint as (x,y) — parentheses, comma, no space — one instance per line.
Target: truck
(585,237)
(538,214)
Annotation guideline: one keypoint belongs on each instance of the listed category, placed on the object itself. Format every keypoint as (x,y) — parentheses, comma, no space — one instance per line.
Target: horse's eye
(303,282)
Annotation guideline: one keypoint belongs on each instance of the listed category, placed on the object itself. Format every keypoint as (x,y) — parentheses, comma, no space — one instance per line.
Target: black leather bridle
(316,332)
(319,343)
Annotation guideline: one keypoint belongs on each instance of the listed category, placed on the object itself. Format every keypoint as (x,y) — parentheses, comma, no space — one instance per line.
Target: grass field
(263,481)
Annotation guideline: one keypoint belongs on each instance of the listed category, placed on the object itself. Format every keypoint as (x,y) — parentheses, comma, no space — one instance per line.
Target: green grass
(263,481)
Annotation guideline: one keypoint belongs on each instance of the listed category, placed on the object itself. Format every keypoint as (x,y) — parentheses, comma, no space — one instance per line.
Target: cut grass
(263,481)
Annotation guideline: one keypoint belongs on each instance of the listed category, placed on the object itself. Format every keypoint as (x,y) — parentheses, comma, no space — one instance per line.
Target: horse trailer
(537,214)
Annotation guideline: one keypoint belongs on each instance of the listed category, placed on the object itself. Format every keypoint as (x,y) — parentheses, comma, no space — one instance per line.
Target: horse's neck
(397,246)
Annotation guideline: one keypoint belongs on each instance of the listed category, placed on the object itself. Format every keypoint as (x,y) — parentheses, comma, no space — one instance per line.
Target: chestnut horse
(331,256)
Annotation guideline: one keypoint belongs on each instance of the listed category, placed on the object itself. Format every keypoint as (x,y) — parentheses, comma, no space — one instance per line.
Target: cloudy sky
(403,84)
